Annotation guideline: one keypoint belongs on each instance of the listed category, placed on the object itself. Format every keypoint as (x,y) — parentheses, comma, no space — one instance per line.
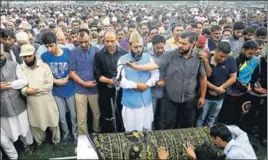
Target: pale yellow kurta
(42,108)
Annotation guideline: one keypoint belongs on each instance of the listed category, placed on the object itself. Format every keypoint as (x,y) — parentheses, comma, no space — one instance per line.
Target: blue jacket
(131,98)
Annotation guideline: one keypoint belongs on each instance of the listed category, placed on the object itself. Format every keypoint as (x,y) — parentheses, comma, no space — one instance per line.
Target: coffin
(144,145)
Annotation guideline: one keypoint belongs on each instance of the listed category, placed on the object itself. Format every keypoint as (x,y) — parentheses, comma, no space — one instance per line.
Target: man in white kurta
(14,117)
(42,108)
(137,110)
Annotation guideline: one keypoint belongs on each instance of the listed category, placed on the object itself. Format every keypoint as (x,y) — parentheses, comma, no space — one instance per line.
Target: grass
(46,151)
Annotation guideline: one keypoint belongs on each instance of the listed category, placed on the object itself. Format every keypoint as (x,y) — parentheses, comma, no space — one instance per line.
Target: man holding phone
(82,72)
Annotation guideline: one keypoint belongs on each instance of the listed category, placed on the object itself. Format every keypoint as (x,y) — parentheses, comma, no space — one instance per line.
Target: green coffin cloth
(144,145)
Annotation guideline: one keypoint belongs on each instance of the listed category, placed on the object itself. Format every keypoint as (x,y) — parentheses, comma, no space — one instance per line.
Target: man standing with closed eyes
(105,65)
(82,72)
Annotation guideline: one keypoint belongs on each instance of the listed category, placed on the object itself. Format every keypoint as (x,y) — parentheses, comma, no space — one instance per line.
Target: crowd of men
(137,67)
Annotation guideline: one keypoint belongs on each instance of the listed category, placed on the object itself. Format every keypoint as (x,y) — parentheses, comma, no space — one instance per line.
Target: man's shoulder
(75,49)
(231,59)
(229,38)
(100,51)
(124,56)
(65,49)
(43,64)
(122,50)
(11,63)
(255,59)
(235,152)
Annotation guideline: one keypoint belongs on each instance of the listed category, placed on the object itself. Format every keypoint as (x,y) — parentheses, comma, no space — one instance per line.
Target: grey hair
(192,36)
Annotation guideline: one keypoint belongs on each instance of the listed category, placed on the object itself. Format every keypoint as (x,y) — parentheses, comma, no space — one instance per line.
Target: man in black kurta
(105,68)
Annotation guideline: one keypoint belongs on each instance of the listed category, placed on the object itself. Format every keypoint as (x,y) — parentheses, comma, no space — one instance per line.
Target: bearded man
(136,86)
(184,70)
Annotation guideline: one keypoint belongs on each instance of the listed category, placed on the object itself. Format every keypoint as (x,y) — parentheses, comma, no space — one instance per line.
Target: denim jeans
(62,104)
(210,112)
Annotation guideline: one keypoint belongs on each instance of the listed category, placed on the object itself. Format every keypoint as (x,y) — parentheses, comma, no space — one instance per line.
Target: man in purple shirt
(125,42)
(81,71)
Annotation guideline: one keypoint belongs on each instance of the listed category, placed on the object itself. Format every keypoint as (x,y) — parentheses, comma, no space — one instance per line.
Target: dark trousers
(257,114)
(263,118)
(106,121)
(177,115)
(231,111)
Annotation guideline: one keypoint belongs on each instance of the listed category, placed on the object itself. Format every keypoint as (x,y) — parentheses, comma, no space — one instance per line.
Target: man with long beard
(183,73)
(42,108)
(137,110)
(236,40)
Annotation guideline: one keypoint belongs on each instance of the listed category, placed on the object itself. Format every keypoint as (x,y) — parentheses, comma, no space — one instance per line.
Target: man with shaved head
(61,40)
(105,65)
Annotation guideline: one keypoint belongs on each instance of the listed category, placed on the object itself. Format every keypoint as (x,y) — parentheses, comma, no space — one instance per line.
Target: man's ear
(218,139)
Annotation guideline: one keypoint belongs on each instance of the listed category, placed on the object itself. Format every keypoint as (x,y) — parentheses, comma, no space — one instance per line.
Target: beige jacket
(42,108)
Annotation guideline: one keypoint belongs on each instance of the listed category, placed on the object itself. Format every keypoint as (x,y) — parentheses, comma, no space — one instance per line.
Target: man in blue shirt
(247,62)
(82,72)
(212,42)
(159,44)
(63,89)
(223,75)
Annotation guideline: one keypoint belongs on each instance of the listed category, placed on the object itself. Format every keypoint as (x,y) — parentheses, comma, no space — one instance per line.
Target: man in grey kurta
(236,40)
(14,118)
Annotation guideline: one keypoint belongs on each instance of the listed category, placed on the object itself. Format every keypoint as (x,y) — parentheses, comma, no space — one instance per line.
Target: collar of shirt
(229,146)
(151,52)
(88,51)
(106,51)
(38,63)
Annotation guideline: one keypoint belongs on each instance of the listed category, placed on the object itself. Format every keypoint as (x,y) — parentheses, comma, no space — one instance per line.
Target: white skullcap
(114,19)
(3,17)
(2,26)
(106,22)
(22,36)
(150,18)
